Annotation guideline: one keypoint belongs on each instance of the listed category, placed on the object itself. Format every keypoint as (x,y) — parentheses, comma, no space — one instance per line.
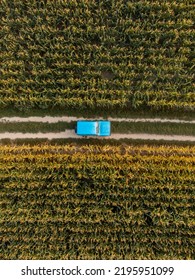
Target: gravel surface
(49,119)
(71,134)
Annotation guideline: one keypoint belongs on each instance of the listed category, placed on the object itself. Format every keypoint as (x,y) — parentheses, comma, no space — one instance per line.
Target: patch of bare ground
(49,119)
(71,134)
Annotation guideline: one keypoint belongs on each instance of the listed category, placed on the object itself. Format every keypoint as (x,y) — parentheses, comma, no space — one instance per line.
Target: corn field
(97,54)
(97,202)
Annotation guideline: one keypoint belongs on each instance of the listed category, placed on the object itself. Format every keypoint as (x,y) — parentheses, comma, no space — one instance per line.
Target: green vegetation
(89,113)
(99,55)
(154,128)
(97,202)
(34,127)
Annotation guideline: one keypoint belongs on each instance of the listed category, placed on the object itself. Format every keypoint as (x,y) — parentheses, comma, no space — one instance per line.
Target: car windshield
(97,128)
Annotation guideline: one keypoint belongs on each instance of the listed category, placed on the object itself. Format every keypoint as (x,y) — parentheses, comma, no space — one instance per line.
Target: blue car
(93,128)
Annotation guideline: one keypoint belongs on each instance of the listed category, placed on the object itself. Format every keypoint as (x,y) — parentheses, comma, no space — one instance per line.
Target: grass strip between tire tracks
(117,127)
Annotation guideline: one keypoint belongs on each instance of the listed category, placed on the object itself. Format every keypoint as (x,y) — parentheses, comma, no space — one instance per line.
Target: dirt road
(71,134)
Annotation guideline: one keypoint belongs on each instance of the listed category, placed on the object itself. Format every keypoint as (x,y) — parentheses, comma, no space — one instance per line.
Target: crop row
(53,50)
(92,202)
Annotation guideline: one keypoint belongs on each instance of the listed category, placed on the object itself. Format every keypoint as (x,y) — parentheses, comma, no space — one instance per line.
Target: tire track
(71,134)
(49,119)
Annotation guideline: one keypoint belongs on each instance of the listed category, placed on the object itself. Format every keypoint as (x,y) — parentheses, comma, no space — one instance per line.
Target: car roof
(87,127)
